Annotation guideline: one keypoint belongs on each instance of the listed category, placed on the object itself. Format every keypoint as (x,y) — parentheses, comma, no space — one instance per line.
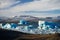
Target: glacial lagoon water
(41,28)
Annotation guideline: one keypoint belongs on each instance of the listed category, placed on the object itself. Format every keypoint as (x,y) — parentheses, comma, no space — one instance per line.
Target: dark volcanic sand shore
(14,35)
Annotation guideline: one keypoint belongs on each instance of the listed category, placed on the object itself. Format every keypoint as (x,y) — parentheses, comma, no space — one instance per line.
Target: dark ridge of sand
(39,37)
(14,35)
(9,34)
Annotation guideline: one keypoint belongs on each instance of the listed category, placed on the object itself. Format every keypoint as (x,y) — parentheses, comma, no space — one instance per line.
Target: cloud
(49,11)
(38,6)
(6,4)
(35,5)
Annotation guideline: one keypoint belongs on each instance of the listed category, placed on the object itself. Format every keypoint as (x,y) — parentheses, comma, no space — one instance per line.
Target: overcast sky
(39,8)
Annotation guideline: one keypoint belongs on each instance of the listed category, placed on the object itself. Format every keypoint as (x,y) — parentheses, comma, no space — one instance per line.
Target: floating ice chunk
(21,22)
(31,31)
(0,25)
(26,27)
(41,22)
(7,26)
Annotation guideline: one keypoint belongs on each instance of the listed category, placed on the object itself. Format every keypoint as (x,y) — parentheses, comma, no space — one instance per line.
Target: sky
(38,8)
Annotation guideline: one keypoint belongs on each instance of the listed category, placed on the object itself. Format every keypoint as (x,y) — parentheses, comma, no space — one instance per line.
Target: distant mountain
(3,18)
(17,18)
(26,17)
